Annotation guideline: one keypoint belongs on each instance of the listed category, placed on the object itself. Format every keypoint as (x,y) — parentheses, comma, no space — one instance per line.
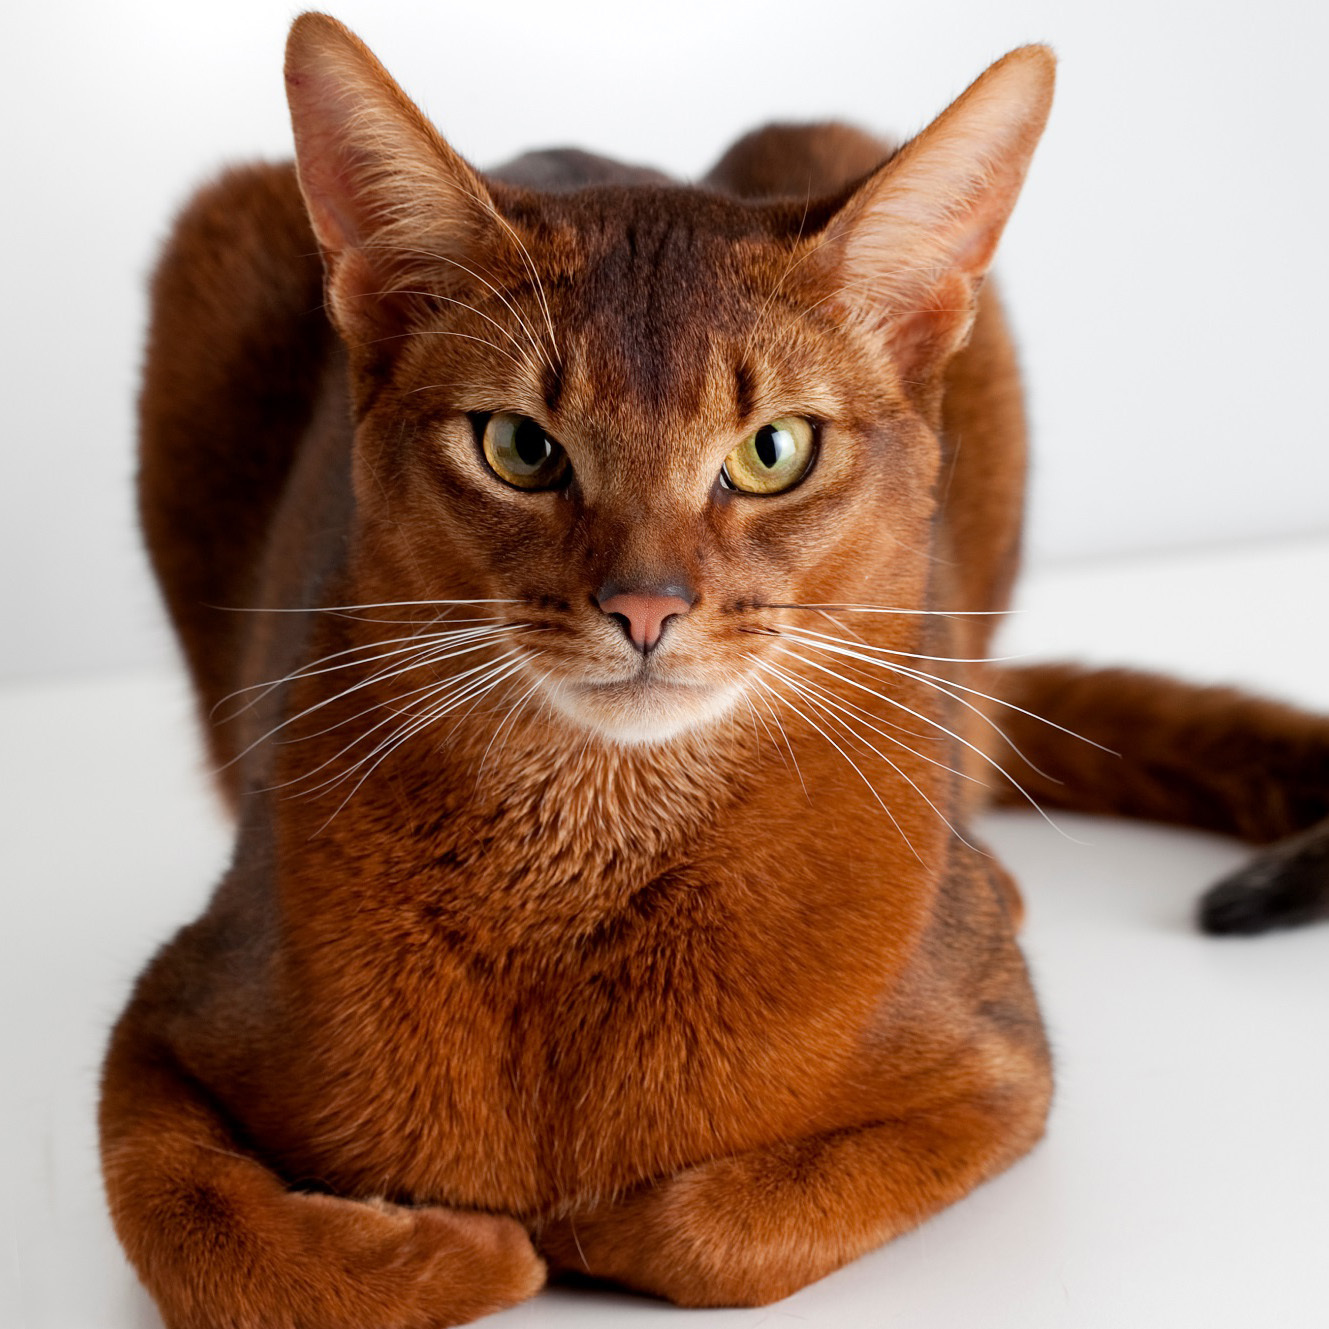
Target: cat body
(561,929)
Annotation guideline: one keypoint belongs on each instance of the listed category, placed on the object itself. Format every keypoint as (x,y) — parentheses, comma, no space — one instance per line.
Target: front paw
(687,1240)
(432,1266)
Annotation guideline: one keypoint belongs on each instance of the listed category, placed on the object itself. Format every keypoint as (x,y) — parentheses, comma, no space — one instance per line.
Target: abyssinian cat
(606,741)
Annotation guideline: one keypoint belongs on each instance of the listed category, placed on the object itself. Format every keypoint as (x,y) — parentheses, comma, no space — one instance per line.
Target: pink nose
(643,614)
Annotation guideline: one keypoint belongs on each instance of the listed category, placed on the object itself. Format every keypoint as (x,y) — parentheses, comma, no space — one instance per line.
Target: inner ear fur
(396,211)
(908,250)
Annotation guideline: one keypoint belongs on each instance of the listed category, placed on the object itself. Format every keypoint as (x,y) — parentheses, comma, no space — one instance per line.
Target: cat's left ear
(394,208)
(911,245)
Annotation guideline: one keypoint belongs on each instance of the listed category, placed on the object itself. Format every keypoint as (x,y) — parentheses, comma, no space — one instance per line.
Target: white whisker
(409,666)
(508,719)
(364,653)
(449,332)
(500,670)
(909,613)
(887,650)
(838,646)
(825,710)
(429,655)
(871,788)
(891,701)
(776,718)
(866,717)
(512,309)
(336,609)
(530,265)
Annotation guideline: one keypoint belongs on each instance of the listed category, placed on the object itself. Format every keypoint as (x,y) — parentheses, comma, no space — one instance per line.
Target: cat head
(642,420)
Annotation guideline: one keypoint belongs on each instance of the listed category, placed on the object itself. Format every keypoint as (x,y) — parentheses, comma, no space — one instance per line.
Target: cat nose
(642,614)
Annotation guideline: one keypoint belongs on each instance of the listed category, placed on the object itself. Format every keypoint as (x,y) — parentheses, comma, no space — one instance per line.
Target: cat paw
(1285,886)
(680,1241)
(422,1268)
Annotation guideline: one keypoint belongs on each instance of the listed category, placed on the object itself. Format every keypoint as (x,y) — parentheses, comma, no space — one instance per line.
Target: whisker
(500,669)
(795,260)
(945,688)
(511,715)
(866,717)
(871,788)
(488,285)
(805,633)
(891,701)
(884,609)
(857,636)
(428,656)
(451,332)
(776,718)
(392,702)
(1010,705)
(463,304)
(366,651)
(760,720)
(904,775)
(336,609)
(843,648)
(424,697)
(530,265)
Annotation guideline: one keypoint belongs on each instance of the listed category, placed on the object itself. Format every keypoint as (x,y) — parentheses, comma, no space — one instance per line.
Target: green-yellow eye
(519,451)
(773,459)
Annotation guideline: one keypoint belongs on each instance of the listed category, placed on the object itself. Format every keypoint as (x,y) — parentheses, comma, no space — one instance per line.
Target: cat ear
(911,245)
(392,205)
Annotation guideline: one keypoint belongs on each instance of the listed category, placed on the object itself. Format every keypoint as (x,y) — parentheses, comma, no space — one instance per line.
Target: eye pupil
(772,459)
(520,453)
(530,443)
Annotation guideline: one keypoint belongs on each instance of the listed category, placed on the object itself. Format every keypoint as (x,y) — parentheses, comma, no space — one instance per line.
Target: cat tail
(221,1241)
(1135,744)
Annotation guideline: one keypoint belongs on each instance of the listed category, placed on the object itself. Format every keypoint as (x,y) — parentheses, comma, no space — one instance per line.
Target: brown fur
(708,1015)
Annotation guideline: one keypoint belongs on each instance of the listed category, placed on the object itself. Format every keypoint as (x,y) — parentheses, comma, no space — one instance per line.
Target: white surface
(1165,269)
(1184,1182)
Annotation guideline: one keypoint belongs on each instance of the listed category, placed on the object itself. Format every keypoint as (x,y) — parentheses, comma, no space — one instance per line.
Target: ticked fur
(676,967)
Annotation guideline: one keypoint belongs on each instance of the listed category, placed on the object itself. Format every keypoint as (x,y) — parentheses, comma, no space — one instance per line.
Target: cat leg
(1284,886)
(219,1241)
(752,1228)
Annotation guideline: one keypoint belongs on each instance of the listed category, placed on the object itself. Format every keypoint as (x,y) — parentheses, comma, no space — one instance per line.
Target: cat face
(639,379)
(644,422)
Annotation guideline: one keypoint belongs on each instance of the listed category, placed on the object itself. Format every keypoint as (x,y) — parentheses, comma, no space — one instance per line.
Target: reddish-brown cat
(584,594)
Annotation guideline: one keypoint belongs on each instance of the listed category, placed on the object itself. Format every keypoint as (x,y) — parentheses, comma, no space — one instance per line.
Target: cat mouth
(645,707)
(643,685)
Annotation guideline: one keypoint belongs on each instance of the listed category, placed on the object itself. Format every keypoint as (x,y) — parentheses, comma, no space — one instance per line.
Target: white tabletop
(1184,1180)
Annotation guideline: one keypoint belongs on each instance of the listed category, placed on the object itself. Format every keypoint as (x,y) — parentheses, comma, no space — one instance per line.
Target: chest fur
(519,1056)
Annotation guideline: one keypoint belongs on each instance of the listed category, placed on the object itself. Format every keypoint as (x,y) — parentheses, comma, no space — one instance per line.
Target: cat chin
(636,714)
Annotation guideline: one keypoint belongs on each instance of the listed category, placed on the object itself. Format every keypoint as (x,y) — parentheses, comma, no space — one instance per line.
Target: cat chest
(492,1077)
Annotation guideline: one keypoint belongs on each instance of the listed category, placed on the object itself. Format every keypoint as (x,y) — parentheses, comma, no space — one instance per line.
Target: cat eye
(773,459)
(520,453)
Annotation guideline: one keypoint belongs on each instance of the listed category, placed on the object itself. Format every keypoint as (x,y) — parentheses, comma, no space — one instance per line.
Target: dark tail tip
(1285,886)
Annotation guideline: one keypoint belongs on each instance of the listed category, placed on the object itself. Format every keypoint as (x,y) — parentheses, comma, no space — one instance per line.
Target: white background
(1167,269)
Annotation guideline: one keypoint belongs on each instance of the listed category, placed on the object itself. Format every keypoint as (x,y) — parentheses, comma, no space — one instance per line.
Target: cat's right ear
(394,208)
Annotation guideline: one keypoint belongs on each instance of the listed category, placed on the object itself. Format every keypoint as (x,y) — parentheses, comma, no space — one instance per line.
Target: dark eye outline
(480,427)
(814,454)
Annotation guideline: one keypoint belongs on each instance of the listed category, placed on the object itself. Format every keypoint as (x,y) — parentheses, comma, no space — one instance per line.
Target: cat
(589,612)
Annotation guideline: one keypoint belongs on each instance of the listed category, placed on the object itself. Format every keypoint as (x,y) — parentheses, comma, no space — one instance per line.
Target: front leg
(752,1228)
(222,1243)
